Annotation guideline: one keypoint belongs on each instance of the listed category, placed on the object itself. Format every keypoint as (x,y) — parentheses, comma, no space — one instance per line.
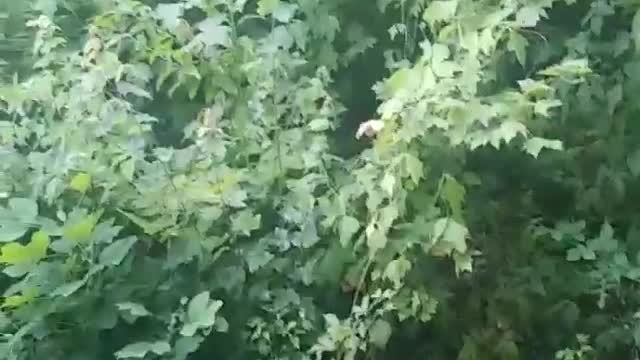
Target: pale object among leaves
(369,128)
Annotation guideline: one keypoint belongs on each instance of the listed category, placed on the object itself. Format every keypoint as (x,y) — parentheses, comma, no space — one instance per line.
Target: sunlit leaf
(15,301)
(266,7)
(80,182)
(449,235)
(201,313)
(440,10)
(16,253)
(535,144)
(140,350)
(80,229)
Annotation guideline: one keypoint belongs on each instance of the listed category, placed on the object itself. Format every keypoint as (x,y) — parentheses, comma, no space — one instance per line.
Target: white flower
(369,128)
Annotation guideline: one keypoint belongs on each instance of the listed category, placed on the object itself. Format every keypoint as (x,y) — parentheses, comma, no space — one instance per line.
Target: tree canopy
(319,179)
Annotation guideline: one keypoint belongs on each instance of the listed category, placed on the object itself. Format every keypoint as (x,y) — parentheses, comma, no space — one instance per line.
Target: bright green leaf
(80,230)
(80,182)
(16,253)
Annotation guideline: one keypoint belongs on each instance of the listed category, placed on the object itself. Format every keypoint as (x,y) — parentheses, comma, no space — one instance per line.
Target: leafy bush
(446,179)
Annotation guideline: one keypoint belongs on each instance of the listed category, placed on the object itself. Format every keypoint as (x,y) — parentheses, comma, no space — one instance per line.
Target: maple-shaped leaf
(440,10)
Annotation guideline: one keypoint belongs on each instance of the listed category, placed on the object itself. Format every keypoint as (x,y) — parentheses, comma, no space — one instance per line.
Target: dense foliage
(319,179)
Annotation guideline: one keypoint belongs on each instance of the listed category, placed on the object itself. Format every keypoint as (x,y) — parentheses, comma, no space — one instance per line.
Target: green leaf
(285,12)
(127,169)
(396,270)
(149,227)
(320,124)
(518,44)
(170,14)
(81,229)
(440,10)
(11,230)
(244,222)
(507,131)
(133,309)
(348,227)
(529,16)
(15,301)
(568,68)
(141,349)
(376,240)
(25,210)
(380,333)
(398,80)
(449,235)
(414,167)
(16,253)
(68,289)
(80,182)
(47,7)
(580,252)
(185,346)
(257,257)
(388,183)
(463,262)
(126,88)
(542,107)
(113,254)
(213,32)
(534,145)
(201,313)
(266,7)
(198,305)
(453,193)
